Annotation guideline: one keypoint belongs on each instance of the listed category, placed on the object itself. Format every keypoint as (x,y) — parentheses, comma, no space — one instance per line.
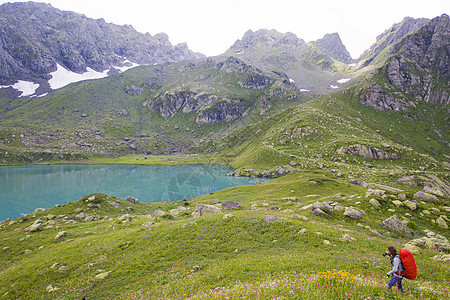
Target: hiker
(397,269)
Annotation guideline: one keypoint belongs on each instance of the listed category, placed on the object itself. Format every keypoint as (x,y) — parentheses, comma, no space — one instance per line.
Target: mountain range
(151,94)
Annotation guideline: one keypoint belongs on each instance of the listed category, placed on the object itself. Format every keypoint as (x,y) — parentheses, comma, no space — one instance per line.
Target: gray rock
(367,152)
(431,190)
(230,205)
(374,203)
(411,205)
(302,231)
(102,276)
(300,217)
(394,224)
(270,218)
(159,213)
(441,223)
(318,212)
(397,203)
(51,288)
(62,268)
(375,193)
(204,209)
(352,213)
(280,171)
(115,204)
(426,197)
(125,217)
(228,216)
(414,249)
(324,206)
(347,238)
(60,235)
(80,216)
(35,227)
(401,196)
(131,199)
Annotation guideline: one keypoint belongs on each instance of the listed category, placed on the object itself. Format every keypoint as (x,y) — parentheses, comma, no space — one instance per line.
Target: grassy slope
(240,256)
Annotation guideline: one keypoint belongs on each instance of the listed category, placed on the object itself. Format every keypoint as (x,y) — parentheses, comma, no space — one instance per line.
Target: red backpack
(409,264)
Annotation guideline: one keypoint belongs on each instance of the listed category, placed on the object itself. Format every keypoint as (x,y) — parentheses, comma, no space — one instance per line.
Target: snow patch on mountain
(27,88)
(62,77)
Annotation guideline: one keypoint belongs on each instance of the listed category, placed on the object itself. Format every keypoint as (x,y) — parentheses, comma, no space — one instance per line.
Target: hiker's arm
(394,266)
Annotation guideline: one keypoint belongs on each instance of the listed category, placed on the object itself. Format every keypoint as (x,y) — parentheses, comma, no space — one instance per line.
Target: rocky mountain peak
(418,67)
(392,36)
(269,38)
(331,43)
(38,39)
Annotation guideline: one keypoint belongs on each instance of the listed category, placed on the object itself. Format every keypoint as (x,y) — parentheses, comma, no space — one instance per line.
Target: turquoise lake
(25,188)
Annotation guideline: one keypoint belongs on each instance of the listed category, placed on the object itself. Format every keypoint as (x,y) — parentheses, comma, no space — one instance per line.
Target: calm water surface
(24,188)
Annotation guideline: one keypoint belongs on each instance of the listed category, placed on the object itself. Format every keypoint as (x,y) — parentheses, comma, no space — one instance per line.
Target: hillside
(168,108)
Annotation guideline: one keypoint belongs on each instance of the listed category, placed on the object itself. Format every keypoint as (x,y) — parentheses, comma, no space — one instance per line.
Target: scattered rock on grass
(270,218)
(51,288)
(394,224)
(60,235)
(374,202)
(204,209)
(441,223)
(347,238)
(230,205)
(102,275)
(302,231)
(426,197)
(228,216)
(352,213)
(318,212)
(411,205)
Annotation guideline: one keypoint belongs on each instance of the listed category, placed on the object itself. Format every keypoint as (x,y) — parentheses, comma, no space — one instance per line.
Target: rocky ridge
(418,71)
(37,37)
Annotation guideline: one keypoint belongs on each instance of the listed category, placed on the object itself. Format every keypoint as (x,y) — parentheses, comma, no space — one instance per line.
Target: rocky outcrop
(37,36)
(331,43)
(367,152)
(418,69)
(394,224)
(392,36)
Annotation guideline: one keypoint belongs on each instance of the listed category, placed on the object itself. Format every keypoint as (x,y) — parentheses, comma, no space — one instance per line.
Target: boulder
(302,231)
(80,216)
(397,203)
(159,213)
(347,238)
(51,288)
(228,216)
(401,196)
(431,190)
(394,224)
(230,205)
(352,213)
(441,223)
(375,193)
(318,212)
(426,197)
(125,217)
(432,241)
(102,275)
(411,205)
(280,171)
(35,227)
(131,199)
(442,257)
(60,235)
(324,206)
(374,202)
(270,218)
(300,217)
(204,209)
(413,248)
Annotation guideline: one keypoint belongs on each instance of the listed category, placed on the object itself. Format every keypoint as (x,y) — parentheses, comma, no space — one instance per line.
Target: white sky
(211,26)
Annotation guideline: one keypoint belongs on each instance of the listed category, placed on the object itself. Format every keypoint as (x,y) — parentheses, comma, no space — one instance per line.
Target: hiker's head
(392,251)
